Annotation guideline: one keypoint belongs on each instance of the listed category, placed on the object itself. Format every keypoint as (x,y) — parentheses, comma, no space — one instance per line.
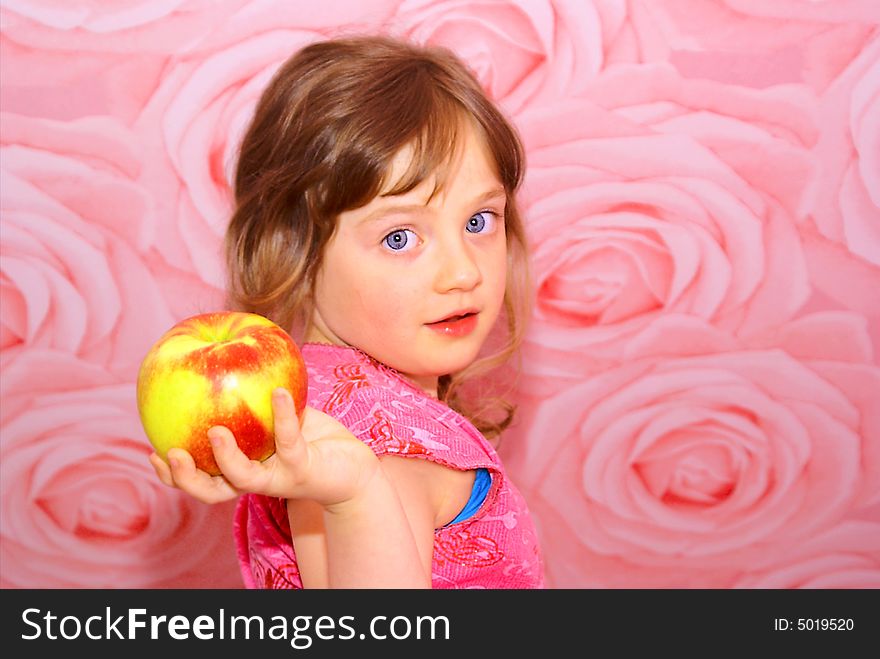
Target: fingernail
(215,440)
(174,463)
(280,394)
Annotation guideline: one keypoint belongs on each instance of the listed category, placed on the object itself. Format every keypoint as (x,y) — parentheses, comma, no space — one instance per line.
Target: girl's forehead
(407,166)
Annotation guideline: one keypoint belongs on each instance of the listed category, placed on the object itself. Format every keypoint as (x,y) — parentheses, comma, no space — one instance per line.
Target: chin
(462,358)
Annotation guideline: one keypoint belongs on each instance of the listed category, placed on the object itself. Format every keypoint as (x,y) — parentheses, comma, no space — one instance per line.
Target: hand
(321,461)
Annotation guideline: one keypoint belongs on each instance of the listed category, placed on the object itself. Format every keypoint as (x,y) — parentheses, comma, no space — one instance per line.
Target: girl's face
(398,267)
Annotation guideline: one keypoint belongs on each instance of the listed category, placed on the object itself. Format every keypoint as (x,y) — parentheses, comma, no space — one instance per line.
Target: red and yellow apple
(218,369)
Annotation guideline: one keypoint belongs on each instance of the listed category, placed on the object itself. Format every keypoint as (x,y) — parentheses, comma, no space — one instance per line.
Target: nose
(457,267)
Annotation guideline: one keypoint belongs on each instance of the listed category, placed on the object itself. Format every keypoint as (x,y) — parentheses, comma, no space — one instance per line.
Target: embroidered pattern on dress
(382,434)
(349,378)
(467,550)
(276,577)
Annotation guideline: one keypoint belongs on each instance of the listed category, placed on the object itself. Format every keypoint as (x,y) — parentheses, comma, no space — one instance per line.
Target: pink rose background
(700,392)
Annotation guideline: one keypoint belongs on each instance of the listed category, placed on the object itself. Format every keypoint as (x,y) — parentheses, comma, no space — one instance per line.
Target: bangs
(435,146)
(416,106)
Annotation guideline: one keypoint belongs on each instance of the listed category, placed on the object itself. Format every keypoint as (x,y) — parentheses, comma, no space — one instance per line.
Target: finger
(238,469)
(289,441)
(183,470)
(163,471)
(195,482)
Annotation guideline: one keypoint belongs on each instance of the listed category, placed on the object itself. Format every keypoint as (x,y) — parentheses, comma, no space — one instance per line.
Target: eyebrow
(403,209)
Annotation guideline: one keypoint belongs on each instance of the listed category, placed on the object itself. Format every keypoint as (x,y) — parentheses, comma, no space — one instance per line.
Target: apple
(218,369)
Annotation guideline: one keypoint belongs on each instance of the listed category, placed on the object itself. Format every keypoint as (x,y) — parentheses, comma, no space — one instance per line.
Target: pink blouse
(497,547)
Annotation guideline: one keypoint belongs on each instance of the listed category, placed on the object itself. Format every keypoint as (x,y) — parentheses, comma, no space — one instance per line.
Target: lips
(455,325)
(455,316)
(452,319)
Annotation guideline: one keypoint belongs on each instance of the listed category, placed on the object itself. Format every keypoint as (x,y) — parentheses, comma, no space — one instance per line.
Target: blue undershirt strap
(482,483)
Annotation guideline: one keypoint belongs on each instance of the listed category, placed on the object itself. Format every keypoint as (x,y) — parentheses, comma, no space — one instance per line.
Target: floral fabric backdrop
(699,394)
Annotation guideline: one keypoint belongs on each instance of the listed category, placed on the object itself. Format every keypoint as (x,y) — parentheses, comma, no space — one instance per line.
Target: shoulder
(398,422)
(388,413)
(341,377)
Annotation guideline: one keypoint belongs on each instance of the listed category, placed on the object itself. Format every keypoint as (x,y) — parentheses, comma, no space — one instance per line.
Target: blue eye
(398,240)
(479,221)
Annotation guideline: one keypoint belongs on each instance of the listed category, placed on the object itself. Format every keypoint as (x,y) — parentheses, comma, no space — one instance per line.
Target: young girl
(375,217)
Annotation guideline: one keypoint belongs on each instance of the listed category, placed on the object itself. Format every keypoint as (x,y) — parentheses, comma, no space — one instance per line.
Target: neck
(428,384)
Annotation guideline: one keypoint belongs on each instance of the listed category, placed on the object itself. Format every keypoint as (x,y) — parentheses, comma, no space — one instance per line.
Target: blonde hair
(321,142)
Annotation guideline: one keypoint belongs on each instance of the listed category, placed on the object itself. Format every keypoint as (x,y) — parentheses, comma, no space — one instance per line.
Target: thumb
(289,441)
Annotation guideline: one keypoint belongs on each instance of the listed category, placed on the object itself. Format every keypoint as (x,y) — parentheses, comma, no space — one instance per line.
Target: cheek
(336,291)
(366,301)
(498,271)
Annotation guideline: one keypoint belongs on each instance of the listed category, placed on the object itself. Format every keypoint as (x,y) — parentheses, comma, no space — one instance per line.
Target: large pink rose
(758,43)
(124,50)
(841,236)
(171,26)
(703,459)
(54,85)
(193,125)
(520,50)
(76,228)
(667,200)
(829,11)
(84,25)
(81,506)
(66,59)
(847,556)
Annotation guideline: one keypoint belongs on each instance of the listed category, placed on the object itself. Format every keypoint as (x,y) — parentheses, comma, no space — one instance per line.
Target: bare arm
(430,495)
(370,542)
